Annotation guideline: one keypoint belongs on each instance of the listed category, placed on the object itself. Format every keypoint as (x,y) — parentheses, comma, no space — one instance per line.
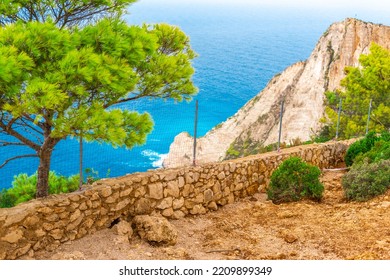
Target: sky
(376,11)
(378,5)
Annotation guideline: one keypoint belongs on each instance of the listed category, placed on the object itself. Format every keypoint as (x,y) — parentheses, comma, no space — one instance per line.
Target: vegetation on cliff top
(362,85)
(370,82)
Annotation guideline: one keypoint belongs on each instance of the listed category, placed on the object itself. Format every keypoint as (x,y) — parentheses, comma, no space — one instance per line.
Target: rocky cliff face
(301,85)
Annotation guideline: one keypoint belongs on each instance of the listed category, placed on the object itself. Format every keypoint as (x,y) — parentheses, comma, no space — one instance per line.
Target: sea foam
(156,158)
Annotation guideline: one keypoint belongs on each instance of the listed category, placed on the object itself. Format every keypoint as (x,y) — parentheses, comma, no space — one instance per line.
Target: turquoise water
(240,49)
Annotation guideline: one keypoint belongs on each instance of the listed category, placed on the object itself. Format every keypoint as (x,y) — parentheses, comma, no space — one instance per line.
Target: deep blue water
(240,49)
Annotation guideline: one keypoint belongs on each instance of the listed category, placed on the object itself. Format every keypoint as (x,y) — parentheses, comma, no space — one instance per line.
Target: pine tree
(63,13)
(368,82)
(58,81)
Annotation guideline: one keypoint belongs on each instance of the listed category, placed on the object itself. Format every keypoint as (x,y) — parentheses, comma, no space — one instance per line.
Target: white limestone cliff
(302,85)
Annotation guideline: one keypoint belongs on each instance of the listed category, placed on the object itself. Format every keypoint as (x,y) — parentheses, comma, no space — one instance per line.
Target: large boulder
(155,230)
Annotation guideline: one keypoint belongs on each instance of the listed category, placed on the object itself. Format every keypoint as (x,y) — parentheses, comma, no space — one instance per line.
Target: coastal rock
(301,85)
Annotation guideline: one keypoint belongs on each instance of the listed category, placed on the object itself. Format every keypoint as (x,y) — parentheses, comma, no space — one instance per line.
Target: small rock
(165,203)
(169,251)
(385,204)
(31,253)
(286,214)
(75,215)
(177,215)
(221,175)
(208,195)
(123,228)
(178,203)
(281,256)
(168,212)
(13,236)
(105,192)
(198,209)
(288,236)
(56,234)
(156,191)
(155,230)
(213,206)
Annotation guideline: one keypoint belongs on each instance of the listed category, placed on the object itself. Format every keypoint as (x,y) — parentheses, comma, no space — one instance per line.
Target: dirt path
(254,228)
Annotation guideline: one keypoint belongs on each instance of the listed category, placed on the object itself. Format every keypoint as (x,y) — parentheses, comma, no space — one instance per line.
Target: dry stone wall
(44,224)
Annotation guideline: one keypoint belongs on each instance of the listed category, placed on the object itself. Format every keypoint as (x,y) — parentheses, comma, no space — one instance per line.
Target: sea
(240,48)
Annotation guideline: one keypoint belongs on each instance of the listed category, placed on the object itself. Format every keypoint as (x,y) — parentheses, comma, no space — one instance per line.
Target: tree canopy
(61,12)
(57,82)
(370,81)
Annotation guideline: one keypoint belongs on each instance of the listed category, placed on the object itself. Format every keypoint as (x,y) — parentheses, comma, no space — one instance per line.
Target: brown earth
(255,228)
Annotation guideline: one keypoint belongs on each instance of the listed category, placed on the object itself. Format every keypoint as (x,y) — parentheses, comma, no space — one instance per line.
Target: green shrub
(325,135)
(360,147)
(232,152)
(24,188)
(385,136)
(61,184)
(294,180)
(380,151)
(6,200)
(367,180)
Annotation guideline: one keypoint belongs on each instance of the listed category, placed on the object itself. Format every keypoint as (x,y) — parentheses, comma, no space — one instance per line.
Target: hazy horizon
(376,11)
(372,5)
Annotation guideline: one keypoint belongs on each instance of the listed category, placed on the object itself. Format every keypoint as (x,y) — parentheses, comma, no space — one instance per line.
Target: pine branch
(17,157)
(126,100)
(19,136)
(6,143)
(25,124)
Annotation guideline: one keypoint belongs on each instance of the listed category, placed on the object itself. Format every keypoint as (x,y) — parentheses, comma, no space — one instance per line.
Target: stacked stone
(173,193)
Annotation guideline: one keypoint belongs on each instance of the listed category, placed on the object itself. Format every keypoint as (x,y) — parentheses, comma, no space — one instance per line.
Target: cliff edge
(301,85)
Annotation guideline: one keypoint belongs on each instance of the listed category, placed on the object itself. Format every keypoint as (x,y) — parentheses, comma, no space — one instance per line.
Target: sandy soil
(255,228)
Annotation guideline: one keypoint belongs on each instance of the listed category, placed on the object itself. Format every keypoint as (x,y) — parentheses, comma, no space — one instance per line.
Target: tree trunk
(43,172)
